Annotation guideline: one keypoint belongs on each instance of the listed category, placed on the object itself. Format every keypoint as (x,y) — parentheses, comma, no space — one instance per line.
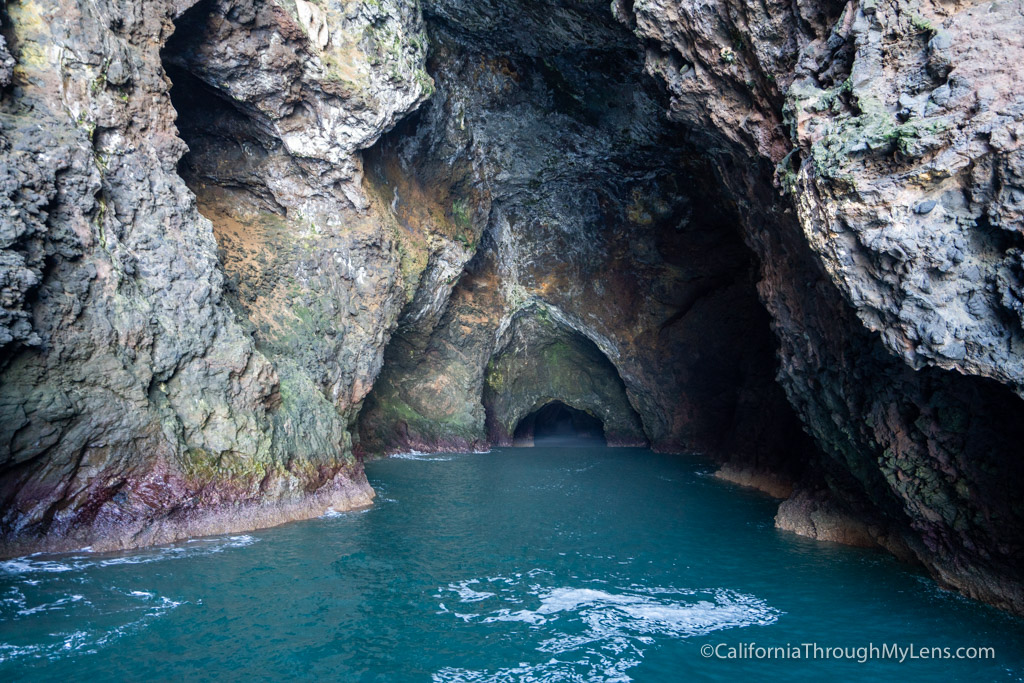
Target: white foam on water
(58,604)
(332,513)
(25,565)
(467,594)
(241,541)
(611,670)
(64,644)
(13,598)
(411,455)
(37,564)
(428,457)
(523,615)
(73,594)
(595,634)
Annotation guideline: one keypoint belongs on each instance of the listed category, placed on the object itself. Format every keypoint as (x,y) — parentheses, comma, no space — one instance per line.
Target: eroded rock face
(205,291)
(274,120)
(142,397)
(540,361)
(913,185)
(898,132)
(893,248)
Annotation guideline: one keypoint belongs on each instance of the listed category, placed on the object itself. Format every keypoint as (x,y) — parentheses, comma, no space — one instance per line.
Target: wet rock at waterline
(244,243)
(176,366)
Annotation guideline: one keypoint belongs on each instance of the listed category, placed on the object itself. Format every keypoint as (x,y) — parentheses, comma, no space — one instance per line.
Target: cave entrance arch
(558,424)
(543,362)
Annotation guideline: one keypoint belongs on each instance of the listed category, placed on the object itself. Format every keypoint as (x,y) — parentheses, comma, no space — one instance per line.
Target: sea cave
(604,321)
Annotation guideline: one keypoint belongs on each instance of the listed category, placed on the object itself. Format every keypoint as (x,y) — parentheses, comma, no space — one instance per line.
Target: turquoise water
(517,565)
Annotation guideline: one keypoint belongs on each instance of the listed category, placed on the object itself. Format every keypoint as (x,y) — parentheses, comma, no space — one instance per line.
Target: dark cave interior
(600,220)
(557,424)
(516,225)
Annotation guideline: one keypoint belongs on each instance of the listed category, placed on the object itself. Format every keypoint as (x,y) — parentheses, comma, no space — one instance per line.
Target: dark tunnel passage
(557,424)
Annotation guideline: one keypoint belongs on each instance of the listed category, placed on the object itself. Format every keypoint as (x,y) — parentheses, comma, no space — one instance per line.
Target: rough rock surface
(602,217)
(892,248)
(142,397)
(912,189)
(540,361)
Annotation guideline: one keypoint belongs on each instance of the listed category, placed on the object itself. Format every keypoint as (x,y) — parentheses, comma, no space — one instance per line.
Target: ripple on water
(109,612)
(66,643)
(587,633)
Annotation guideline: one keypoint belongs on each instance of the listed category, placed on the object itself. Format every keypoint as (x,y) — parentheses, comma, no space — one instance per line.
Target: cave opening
(514,222)
(219,134)
(236,165)
(561,425)
(218,117)
(610,270)
(626,228)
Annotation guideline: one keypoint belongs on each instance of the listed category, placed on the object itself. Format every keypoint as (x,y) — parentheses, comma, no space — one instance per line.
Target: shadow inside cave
(559,425)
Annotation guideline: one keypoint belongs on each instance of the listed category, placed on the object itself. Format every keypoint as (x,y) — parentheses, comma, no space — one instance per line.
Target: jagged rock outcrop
(913,185)
(892,249)
(143,398)
(896,128)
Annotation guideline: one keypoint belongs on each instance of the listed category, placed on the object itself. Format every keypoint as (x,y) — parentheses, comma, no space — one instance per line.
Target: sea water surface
(544,564)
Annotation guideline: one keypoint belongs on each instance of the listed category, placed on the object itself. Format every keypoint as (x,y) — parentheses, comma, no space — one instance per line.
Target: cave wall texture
(245,242)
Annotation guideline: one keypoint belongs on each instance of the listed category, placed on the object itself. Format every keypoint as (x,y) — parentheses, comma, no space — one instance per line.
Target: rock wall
(148,392)
(601,216)
(888,254)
